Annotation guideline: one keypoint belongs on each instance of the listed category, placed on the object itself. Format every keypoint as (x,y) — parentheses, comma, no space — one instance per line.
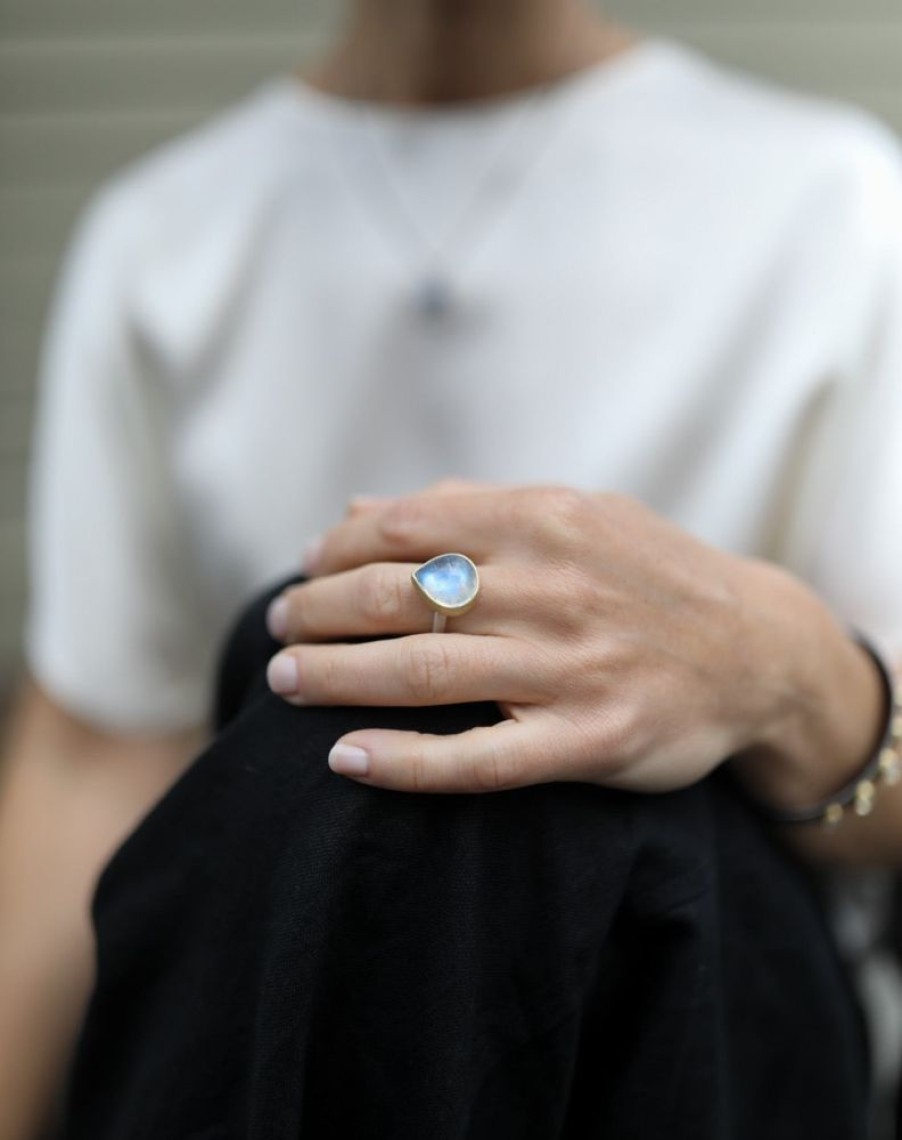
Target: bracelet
(883,767)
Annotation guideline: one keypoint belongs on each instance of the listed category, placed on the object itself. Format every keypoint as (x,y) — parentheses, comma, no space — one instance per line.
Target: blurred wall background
(85,85)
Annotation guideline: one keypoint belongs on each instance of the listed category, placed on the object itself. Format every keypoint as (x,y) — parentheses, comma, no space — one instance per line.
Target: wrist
(826,708)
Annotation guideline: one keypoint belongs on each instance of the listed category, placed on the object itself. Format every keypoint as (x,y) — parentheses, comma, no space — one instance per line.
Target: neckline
(603,75)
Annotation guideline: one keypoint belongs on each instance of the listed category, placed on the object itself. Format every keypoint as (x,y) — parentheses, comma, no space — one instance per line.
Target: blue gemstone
(449,582)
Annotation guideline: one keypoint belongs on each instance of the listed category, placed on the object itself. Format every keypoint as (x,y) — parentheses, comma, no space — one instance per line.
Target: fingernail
(347,760)
(277,618)
(312,554)
(282,675)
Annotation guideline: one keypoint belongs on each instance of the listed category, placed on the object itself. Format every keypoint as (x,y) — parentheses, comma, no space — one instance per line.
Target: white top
(671,280)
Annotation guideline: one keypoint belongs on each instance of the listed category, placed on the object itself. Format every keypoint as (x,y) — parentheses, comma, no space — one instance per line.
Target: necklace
(435,295)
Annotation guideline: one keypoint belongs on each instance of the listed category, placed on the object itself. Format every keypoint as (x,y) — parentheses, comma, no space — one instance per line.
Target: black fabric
(285,953)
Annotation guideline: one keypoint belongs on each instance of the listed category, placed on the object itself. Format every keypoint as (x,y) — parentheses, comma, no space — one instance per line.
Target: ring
(450,584)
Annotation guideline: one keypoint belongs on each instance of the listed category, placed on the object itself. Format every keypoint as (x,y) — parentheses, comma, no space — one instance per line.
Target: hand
(620,650)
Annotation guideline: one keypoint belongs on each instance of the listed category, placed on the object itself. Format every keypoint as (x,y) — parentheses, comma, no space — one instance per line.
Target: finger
(380,599)
(360,504)
(460,487)
(510,754)
(409,672)
(415,529)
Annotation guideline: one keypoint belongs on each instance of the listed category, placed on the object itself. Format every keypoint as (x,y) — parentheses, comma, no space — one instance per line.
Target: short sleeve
(112,632)
(848,538)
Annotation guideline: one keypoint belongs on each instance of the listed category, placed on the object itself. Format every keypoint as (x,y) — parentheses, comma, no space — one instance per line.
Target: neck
(417,52)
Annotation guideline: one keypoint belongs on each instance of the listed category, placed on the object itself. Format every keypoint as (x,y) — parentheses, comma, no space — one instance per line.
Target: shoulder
(169,240)
(227,163)
(774,136)
(800,194)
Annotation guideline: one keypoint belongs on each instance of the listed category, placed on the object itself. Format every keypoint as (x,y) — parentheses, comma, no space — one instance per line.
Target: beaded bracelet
(884,766)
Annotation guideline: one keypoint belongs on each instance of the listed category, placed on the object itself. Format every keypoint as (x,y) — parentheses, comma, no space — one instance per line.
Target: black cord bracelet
(883,767)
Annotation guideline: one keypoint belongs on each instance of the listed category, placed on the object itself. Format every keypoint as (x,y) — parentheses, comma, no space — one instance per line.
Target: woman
(515,243)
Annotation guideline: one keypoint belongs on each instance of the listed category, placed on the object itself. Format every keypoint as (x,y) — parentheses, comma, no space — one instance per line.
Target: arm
(69,795)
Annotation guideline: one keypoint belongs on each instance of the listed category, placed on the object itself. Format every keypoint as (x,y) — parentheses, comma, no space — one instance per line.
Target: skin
(70,794)
(621,650)
(419,52)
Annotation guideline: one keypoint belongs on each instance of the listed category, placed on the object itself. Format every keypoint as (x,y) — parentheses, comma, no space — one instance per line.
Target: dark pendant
(434,299)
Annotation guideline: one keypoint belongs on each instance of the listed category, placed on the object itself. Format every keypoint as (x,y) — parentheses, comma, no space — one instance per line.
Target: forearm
(830,717)
(69,796)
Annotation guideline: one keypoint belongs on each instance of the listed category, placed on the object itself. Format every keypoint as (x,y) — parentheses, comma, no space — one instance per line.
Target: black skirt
(283,953)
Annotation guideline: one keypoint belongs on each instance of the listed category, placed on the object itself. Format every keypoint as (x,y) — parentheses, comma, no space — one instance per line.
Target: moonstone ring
(450,584)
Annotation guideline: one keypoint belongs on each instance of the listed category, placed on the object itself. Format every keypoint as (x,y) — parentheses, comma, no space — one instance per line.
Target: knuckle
(616,508)
(613,501)
(402,523)
(428,671)
(450,487)
(566,507)
(418,775)
(497,770)
(558,511)
(380,596)
(326,680)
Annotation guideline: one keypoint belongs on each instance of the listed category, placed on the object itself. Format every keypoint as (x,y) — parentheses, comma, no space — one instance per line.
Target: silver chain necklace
(435,296)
